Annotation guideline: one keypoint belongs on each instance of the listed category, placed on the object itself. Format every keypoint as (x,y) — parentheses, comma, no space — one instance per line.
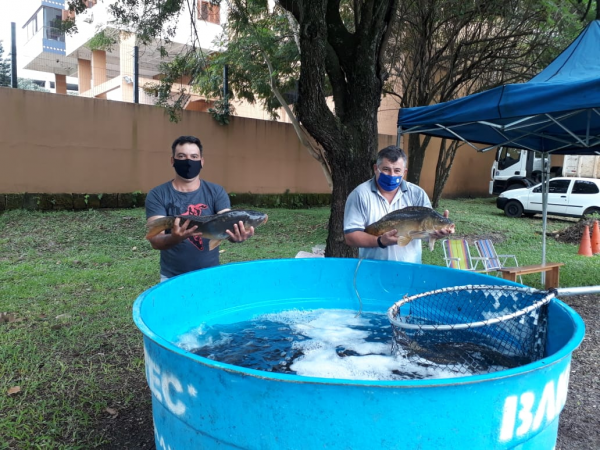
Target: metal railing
(54,34)
(50,33)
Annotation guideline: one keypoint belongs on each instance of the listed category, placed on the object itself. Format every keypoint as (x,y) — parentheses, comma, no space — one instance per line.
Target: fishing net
(472,329)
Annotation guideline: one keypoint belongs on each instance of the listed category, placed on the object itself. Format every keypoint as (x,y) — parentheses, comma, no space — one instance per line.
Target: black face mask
(187,168)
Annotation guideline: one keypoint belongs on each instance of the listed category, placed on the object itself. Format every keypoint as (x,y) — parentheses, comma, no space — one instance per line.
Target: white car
(570,197)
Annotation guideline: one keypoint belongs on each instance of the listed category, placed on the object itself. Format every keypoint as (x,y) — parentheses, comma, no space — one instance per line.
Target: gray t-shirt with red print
(193,253)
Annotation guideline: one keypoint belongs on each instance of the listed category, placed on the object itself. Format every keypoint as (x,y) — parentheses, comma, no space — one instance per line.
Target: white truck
(514,168)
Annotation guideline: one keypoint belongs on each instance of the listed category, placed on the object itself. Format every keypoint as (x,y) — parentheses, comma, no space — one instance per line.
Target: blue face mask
(388,182)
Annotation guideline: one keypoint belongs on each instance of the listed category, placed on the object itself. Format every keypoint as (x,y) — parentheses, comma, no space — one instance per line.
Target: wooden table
(551,269)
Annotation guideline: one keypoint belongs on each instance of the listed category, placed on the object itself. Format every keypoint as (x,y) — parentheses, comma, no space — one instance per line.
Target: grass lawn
(71,358)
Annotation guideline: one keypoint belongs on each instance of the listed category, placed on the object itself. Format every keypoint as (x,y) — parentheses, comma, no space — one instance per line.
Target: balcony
(41,42)
(45,52)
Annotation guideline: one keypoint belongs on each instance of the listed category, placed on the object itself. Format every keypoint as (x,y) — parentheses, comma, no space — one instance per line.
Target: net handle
(392,312)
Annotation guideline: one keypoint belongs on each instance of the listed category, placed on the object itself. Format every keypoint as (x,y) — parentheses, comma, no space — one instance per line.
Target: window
(52,22)
(555,187)
(31,27)
(208,12)
(585,187)
(508,157)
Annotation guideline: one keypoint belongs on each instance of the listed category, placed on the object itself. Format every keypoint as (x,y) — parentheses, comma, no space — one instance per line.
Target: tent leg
(545,189)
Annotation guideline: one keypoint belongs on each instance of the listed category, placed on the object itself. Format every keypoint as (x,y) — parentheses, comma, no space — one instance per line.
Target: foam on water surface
(319,343)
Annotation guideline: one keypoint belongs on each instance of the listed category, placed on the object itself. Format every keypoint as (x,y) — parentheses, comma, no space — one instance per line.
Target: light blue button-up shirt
(365,205)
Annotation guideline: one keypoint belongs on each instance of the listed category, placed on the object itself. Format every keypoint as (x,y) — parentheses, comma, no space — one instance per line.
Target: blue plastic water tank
(200,403)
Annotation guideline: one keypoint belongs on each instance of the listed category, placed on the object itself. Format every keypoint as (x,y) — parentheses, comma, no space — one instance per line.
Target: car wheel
(588,213)
(513,209)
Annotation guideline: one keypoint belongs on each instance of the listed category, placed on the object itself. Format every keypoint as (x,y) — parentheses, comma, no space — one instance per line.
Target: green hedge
(57,202)
(287,200)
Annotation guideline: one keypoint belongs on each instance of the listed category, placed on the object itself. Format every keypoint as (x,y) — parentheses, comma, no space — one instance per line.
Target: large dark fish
(212,227)
(412,222)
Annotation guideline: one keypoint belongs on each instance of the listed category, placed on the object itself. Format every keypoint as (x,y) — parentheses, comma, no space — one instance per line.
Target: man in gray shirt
(387,191)
(183,250)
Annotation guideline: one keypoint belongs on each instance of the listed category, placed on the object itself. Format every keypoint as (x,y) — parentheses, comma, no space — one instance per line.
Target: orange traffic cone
(585,248)
(595,238)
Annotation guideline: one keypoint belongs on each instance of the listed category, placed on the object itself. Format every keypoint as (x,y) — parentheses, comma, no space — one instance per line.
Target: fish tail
(159,225)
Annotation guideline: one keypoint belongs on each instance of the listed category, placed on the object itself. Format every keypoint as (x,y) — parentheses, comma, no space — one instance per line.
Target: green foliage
(5,75)
(520,237)
(262,55)
(73,345)
(446,49)
(221,111)
(171,93)
(69,279)
(346,54)
(564,20)
(29,85)
(286,200)
(102,41)
(253,38)
(69,26)
(151,19)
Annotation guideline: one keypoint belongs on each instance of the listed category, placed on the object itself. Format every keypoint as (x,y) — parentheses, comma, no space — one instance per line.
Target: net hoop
(392,312)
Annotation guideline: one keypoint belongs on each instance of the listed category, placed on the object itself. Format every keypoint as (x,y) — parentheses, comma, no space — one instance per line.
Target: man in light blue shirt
(387,191)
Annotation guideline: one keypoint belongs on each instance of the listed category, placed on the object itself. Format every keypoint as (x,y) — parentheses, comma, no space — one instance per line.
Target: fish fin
(431,243)
(214,243)
(404,240)
(418,234)
(159,225)
(198,219)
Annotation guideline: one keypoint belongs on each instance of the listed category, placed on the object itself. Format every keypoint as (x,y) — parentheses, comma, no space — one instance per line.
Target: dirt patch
(573,233)
(132,428)
(578,426)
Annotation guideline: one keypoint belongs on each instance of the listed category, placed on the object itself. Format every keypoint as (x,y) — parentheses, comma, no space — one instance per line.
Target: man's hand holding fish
(182,230)
(240,233)
(386,217)
(413,222)
(187,217)
(391,237)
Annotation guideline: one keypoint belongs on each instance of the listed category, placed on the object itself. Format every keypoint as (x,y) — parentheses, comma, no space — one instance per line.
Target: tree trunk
(442,169)
(352,64)
(416,156)
(343,184)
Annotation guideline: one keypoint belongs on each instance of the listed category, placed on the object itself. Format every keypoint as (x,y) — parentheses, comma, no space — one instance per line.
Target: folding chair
(458,256)
(492,261)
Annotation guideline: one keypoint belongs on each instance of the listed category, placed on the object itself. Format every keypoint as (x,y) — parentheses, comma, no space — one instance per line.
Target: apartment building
(107,71)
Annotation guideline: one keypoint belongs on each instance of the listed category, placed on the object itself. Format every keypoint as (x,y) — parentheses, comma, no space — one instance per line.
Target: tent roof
(557,111)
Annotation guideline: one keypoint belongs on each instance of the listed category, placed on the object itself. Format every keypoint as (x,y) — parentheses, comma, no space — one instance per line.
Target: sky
(18,11)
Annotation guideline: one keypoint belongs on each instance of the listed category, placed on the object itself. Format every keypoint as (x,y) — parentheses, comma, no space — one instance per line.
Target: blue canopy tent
(556,112)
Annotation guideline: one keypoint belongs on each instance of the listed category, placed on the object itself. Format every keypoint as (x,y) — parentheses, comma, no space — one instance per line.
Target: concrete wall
(65,144)
(469,176)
